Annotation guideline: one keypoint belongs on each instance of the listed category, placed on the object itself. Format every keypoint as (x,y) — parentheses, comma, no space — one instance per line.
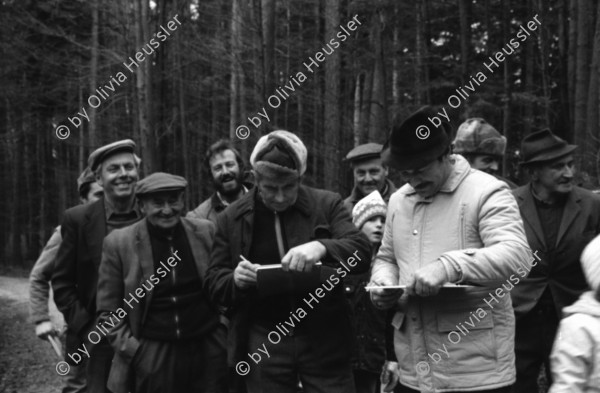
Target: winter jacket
(575,356)
(317,215)
(461,338)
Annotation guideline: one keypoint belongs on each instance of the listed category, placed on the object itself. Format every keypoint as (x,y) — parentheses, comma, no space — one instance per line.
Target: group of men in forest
(187,302)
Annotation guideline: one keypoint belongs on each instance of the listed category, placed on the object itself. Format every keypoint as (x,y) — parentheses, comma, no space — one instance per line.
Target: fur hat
(477,136)
(278,155)
(590,262)
(370,206)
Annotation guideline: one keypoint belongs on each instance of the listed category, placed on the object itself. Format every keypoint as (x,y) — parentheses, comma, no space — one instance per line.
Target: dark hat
(543,146)
(160,182)
(86,177)
(416,141)
(102,153)
(364,152)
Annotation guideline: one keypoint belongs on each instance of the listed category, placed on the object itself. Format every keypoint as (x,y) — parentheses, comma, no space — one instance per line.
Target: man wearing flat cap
(76,274)
(560,220)
(370,174)
(41,274)
(151,286)
(448,224)
(282,222)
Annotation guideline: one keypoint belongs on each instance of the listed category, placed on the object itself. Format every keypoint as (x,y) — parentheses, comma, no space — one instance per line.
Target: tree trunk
(332,99)
(465,38)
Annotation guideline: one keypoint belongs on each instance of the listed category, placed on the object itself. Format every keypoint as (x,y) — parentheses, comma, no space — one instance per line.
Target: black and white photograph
(300,196)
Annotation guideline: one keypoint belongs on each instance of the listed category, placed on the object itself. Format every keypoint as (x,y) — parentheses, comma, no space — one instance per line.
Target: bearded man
(226,167)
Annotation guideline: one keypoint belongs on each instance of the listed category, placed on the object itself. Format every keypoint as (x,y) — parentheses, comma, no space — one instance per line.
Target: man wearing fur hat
(284,222)
(560,219)
(482,145)
(448,224)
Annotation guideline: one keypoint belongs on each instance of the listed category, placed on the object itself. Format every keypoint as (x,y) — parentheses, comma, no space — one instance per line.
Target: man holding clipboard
(303,331)
(448,224)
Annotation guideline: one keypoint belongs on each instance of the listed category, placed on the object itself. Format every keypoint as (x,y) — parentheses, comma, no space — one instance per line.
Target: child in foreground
(575,356)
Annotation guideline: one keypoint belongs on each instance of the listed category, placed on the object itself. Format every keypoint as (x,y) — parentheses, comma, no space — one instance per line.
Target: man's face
(556,176)
(486,163)
(226,173)
(369,175)
(278,196)
(163,209)
(93,194)
(374,229)
(118,176)
(429,179)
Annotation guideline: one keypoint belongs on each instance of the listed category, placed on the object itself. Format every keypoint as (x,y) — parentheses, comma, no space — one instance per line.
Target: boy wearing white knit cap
(369,323)
(575,356)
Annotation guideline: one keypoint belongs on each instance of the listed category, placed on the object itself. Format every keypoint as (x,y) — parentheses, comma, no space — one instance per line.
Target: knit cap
(279,155)
(370,206)
(590,261)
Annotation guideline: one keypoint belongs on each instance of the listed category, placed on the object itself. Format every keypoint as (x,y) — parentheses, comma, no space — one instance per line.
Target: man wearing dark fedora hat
(448,224)
(560,219)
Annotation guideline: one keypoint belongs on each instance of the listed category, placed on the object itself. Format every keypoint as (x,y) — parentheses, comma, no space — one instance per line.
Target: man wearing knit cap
(560,219)
(482,145)
(448,224)
(370,174)
(152,283)
(39,281)
(282,222)
(575,360)
(76,274)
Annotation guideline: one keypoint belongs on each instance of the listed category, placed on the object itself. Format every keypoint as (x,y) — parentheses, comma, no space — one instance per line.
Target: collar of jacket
(219,205)
(389,189)
(245,204)
(460,170)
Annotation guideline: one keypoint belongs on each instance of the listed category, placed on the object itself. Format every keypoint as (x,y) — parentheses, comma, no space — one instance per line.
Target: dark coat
(356,196)
(559,269)
(75,274)
(316,215)
(126,263)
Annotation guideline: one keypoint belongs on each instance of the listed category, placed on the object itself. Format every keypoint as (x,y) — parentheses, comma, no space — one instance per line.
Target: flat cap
(87,176)
(365,151)
(102,153)
(160,182)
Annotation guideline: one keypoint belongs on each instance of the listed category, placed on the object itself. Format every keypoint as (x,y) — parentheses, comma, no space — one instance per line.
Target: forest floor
(27,364)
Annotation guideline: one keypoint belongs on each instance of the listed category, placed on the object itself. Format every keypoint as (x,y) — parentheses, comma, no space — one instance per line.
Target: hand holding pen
(244,275)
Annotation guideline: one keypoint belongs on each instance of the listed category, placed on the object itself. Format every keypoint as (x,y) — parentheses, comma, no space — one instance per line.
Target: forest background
(227,57)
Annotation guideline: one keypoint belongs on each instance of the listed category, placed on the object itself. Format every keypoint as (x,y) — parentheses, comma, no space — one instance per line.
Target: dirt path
(27,364)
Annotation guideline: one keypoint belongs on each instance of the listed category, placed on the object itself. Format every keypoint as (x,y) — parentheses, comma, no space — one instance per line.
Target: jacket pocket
(469,339)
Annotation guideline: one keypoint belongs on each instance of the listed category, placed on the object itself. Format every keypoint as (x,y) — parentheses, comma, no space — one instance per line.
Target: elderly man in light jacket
(450,224)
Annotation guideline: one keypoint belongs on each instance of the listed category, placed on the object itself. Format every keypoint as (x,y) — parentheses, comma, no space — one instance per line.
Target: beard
(229,190)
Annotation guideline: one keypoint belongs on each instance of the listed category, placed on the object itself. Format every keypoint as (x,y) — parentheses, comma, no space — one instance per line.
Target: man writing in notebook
(284,222)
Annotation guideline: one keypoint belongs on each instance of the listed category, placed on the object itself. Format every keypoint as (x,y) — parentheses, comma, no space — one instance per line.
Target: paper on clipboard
(390,287)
